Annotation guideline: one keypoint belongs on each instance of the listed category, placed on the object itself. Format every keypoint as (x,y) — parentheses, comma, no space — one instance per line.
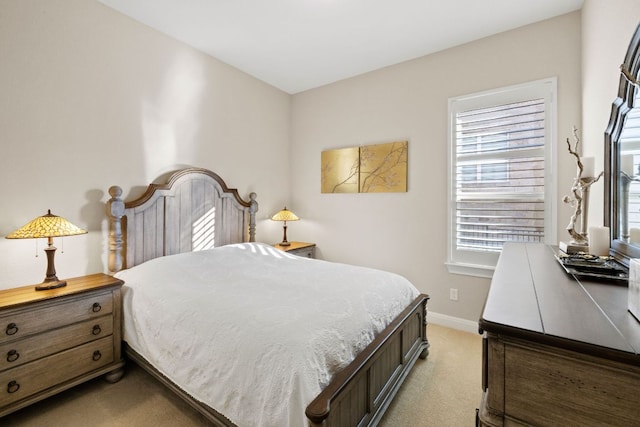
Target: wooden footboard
(360,394)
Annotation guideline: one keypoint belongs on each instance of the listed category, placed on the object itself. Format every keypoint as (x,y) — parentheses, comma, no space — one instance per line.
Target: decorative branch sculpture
(580,191)
(627,75)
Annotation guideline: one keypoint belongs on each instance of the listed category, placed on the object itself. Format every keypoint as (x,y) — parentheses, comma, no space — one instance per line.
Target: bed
(246,334)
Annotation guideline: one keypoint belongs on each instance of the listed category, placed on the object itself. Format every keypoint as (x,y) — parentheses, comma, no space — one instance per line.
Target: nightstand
(307,250)
(53,340)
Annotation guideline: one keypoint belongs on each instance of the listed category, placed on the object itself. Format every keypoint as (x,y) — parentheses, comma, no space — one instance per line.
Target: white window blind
(499,169)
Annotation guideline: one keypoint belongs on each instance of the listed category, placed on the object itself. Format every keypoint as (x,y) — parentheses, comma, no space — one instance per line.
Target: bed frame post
(253,208)
(115,212)
(425,352)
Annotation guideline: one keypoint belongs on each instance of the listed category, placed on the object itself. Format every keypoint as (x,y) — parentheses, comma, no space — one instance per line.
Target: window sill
(470,269)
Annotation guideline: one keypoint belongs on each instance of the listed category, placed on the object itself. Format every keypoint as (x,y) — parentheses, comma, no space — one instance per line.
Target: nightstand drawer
(19,352)
(48,315)
(304,252)
(303,249)
(26,380)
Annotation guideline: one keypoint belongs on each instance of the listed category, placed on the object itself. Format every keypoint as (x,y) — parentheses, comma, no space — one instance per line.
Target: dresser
(558,350)
(55,339)
(303,249)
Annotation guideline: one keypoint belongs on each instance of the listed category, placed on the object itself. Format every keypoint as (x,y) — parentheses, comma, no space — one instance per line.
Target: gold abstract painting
(340,170)
(383,168)
(367,169)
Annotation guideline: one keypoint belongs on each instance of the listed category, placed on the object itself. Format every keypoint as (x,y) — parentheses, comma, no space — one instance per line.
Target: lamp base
(285,243)
(44,286)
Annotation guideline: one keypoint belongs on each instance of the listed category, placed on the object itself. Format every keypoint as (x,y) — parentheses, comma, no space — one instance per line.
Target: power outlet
(453,294)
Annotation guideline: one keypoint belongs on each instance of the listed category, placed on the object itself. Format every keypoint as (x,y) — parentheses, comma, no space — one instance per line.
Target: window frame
(482,263)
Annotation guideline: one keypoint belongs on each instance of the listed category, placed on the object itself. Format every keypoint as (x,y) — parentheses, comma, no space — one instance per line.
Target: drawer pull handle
(13,355)
(96,330)
(97,355)
(96,307)
(12,329)
(12,387)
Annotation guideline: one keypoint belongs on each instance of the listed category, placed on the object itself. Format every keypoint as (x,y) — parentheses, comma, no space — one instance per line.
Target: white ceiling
(297,45)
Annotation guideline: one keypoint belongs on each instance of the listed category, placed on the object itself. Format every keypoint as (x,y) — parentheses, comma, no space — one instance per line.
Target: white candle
(626,164)
(588,167)
(634,235)
(599,241)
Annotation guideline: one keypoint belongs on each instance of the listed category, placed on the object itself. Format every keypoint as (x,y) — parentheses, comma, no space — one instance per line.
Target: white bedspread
(252,331)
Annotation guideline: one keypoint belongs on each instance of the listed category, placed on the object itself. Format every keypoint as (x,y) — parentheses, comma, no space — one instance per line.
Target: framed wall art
(379,168)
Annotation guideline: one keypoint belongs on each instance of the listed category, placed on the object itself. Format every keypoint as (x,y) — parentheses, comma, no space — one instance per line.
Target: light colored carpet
(445,389)
(442,391)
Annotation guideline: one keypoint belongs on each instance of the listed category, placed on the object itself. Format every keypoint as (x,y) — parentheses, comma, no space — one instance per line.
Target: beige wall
(91,98)
(607,28)
(406,232)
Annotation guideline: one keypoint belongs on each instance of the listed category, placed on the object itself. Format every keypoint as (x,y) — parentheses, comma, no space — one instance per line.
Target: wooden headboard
(193,210)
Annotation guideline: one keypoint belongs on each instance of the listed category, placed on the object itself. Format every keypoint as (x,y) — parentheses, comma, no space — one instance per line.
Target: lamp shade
(48,225)
(285,215)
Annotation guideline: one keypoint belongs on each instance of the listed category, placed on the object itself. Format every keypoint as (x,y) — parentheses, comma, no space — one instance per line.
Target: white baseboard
(452,322)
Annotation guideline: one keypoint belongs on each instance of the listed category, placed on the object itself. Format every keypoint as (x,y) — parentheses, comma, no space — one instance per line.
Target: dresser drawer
(23,381)
(49,315)
(21,351)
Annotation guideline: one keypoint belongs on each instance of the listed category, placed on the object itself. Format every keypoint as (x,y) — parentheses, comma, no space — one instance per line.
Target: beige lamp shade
(48,226)
(284,215)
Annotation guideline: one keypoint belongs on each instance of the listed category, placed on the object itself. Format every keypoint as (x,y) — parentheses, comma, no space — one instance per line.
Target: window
(500,188)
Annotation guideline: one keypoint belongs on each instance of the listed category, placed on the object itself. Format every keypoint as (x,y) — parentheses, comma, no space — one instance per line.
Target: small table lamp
(48,226)
(285,215)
